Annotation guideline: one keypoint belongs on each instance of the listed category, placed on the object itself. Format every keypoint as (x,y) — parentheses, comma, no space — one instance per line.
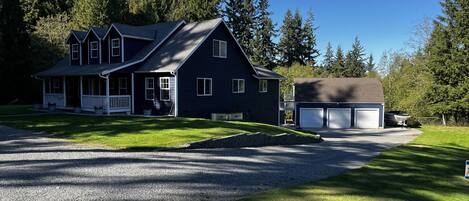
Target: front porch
(89,93)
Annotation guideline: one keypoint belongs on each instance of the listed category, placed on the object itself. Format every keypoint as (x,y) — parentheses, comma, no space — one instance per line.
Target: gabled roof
(264,73)
(343,90)
(79,35)
(99,32)
(63,68)
(140,32)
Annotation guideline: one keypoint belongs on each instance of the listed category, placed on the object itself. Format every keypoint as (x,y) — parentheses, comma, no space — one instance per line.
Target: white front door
(366,117)
(339,117)
(311,117)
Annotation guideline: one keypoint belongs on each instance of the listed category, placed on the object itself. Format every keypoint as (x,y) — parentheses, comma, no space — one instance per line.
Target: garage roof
(343,90)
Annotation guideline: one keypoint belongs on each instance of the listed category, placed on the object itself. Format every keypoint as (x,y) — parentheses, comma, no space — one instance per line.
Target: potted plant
(147,110)
(51,107)
(98,110)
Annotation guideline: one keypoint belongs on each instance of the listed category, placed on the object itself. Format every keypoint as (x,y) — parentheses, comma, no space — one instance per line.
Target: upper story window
(204,86)
(149,88)
(115,47)
(75,51)
(94,49)
(262,85)
(164,89)
(219,48)
(238,85)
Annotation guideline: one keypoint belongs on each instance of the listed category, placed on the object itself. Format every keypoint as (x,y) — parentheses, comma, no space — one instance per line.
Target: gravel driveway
(38,168)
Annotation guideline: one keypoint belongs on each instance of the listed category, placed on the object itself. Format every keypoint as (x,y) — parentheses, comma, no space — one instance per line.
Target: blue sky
(380,24)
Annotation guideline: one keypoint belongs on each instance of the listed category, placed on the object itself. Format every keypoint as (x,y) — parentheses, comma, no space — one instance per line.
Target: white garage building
(339,103)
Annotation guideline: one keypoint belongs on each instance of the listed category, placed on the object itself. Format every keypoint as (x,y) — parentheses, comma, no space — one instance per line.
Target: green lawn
(15,109)
(132,132)
(429,168)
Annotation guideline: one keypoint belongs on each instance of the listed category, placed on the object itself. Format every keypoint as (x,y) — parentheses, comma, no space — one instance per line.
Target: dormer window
(115,47)
(219,48)
(94,50)
(75,51)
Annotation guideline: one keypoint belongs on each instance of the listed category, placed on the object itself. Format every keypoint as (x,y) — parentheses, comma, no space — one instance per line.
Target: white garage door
(311,117)
(366,117)
(339,117)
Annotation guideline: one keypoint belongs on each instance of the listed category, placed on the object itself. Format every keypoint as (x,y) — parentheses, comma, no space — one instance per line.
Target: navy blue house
(173,68)
(339,103)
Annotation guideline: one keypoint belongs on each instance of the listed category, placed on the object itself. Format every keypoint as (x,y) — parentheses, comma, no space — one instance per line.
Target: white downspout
(175,94)
(133,93)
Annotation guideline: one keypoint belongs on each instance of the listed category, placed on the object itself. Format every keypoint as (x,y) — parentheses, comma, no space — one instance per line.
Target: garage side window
(149,88)
(204,86)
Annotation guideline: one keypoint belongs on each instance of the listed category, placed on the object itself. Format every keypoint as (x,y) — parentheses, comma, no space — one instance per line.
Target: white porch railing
(57,99)
(116,103)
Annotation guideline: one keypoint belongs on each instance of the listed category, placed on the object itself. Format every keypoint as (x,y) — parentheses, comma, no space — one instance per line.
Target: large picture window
(238,85)
(149,88)
(115,47)
(94,50)
(204,86)
(262,85)
(164,89)
(219,48)
(75,51)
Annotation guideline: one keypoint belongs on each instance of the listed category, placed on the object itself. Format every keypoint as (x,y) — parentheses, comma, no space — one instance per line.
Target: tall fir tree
(355,61)
(370,65)
(328,61)
(241,17)
(194,10)
(339,63)
(310,51)
(448,59)
(15,54)
(264,47)
(88,13)
(291,39)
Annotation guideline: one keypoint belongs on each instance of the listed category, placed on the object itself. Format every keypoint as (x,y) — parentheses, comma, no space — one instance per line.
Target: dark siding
(133,46)
(73,40)
(337,105)
(112,35)
(84,54)
(158,107)
(104,52)
(259,107)
(91,38)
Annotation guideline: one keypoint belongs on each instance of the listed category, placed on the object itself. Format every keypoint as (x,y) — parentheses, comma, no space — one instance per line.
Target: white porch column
(81,91)
(65,94)
(133,92)
(107,95)
(44,92)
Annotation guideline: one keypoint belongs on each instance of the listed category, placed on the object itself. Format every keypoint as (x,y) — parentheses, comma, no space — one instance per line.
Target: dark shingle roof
(146,32)
(179,47)
(100,31)
(264,73)
(352,90)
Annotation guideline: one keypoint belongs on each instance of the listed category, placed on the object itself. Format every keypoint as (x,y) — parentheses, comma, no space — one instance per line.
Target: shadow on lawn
(407,173)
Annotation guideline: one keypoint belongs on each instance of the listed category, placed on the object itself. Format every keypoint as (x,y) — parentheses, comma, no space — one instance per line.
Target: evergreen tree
(370,65)
(241,18)
(328,61)
(339,63)
(88,13)
(354,61)
(448,59)
(194,10)
(264,47)
(34,9)
(310,51)
(15,54)
(291,39)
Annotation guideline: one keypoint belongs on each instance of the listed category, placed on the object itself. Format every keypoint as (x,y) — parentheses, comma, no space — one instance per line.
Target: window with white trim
(204,86)
(94,49)
(75,51)
(123,86)
(164,89)
(262,86)
(238,85)
(56,86)
(115,47)
(219,48)
(149,88)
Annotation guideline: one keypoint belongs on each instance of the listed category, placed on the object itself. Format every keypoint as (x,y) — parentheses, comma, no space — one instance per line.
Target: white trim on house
(165,88)
(115,46)
(240,86)
(146,56)
(77,51)
(268,78)
(149,88)
(94,49)
(263,86)
(122,50)
(197,86)
(176,101)
(222,48)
